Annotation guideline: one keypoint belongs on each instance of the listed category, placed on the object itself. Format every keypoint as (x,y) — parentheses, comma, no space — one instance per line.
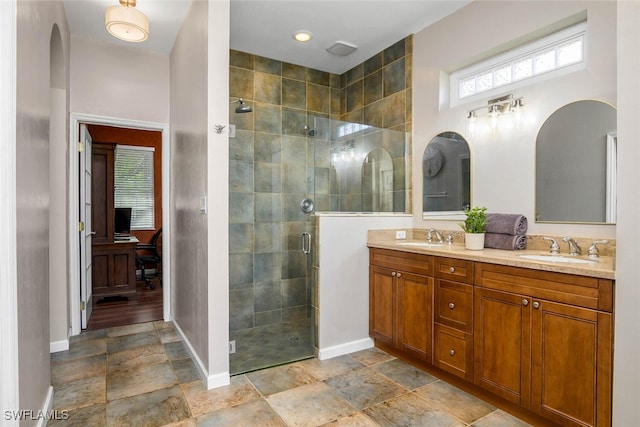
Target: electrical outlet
(232,347)
(401,234)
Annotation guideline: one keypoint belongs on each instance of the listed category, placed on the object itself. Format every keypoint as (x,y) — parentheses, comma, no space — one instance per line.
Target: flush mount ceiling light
(341,48)
(126,23)
(302,36)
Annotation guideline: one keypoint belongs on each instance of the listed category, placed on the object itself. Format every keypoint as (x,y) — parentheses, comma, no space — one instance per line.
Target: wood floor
(147,308)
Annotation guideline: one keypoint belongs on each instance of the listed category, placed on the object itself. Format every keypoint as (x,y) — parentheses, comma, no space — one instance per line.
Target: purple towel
(505,241)
(506,224)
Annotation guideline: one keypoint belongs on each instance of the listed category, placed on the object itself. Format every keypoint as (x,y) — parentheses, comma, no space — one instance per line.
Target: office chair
(150,253)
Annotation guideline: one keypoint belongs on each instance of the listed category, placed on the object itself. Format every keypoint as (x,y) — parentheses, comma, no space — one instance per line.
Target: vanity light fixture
(496,108)
(302,36)
(127,23)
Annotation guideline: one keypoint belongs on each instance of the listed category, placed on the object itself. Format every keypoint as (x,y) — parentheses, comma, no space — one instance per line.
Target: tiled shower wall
(274,165)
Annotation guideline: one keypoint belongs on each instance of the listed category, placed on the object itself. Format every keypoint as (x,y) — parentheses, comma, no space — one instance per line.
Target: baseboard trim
(211,381)
(346,348)
(57,346)
(46,408)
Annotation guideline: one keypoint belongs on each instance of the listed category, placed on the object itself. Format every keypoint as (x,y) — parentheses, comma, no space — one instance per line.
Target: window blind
(133,182)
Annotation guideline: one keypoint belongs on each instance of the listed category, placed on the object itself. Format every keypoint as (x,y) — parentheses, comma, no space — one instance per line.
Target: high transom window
(558,53)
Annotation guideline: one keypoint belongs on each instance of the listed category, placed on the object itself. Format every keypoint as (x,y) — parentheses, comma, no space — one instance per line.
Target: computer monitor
(122,221)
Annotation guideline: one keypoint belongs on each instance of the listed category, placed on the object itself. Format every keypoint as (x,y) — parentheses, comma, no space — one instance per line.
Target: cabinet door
(571,364)
(381,304)
(415,315)
(502,347)
(453,305)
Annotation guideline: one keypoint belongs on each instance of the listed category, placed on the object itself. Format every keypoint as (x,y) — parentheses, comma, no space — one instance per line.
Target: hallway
(142,375)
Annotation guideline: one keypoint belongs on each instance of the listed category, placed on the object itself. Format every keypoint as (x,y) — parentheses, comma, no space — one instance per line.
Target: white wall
(35,21)
(343,280)
(118,81)
(503,170)
(626,410)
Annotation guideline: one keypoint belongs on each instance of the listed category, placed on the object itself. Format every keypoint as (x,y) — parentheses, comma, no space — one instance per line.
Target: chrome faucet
(554,248)
(450,235)
(430,234)
(593,249)
(574,248)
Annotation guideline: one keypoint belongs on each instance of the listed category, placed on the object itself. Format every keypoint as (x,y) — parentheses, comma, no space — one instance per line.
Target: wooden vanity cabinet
(453,316)
(401,301)
(551,357)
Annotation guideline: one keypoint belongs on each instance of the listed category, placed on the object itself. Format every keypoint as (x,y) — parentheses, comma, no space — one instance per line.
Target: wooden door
(86,233)
(381,304)
(502,348)
(571,364)
(415,315)
(102,193)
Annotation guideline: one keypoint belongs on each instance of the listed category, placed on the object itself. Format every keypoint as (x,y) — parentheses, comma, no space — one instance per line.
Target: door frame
(74,199)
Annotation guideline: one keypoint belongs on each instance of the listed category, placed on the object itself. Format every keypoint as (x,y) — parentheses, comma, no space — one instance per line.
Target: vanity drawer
(454,305)
(403,261)
(454,351)
(459,270)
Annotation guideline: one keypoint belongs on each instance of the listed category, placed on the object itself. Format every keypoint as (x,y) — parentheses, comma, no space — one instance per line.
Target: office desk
(114,269)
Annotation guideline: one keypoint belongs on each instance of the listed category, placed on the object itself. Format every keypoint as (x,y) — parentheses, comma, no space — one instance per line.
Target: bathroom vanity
(537,334)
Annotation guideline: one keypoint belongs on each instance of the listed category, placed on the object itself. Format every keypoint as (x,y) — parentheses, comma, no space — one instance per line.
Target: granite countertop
(602,268)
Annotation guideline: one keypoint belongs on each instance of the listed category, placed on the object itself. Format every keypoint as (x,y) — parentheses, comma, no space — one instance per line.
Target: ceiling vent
(342,48)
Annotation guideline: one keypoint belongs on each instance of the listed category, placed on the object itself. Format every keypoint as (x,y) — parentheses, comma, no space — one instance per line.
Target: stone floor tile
(323,369)
(499,418)
(357,419)
(81,349)
(365,387)
(80,393)
(87,336)
(76,369)
(94,416)
(310,405)
(176,350)
(185,371)
(155,408)
(371,356)
(124,342)
(464,406)
(139,379)
(280,378)
(403,373)
(136,356)
(136,328)
(202,401)
(410,410)
(254,413)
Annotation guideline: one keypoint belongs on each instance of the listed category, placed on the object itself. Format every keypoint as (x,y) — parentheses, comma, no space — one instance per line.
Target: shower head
(242,108)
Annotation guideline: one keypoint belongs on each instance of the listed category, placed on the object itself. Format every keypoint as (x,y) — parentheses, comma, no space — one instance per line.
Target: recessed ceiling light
(302,36)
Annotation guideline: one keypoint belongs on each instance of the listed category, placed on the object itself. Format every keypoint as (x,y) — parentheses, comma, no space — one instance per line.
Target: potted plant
(474,228)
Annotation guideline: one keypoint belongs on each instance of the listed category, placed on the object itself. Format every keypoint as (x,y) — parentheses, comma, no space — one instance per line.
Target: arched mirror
(446,175)
(576,164)
(377,181)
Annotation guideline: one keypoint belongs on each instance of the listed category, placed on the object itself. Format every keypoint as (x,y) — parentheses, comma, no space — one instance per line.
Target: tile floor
(141,375)
(271,345)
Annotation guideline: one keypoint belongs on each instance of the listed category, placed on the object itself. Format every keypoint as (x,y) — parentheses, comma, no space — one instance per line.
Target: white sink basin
(421,244)
(557,258)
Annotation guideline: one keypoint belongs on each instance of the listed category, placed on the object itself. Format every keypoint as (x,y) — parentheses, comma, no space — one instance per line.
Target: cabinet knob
(452,352)
(452,269)
(399,275)
(525,302)
(536,304)
(451,305)
(393,273)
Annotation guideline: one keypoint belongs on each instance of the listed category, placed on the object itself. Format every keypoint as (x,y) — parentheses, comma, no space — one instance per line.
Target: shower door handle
(306,243)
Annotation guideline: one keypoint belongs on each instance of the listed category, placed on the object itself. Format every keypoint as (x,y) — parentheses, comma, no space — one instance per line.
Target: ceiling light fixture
(302,36)
(127,23)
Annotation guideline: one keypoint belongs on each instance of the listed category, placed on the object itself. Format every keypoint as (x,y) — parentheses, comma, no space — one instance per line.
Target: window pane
(570,53)
(485,81)
(133,182)
(545,61)
(467,87)
(503,75)
(522,69)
